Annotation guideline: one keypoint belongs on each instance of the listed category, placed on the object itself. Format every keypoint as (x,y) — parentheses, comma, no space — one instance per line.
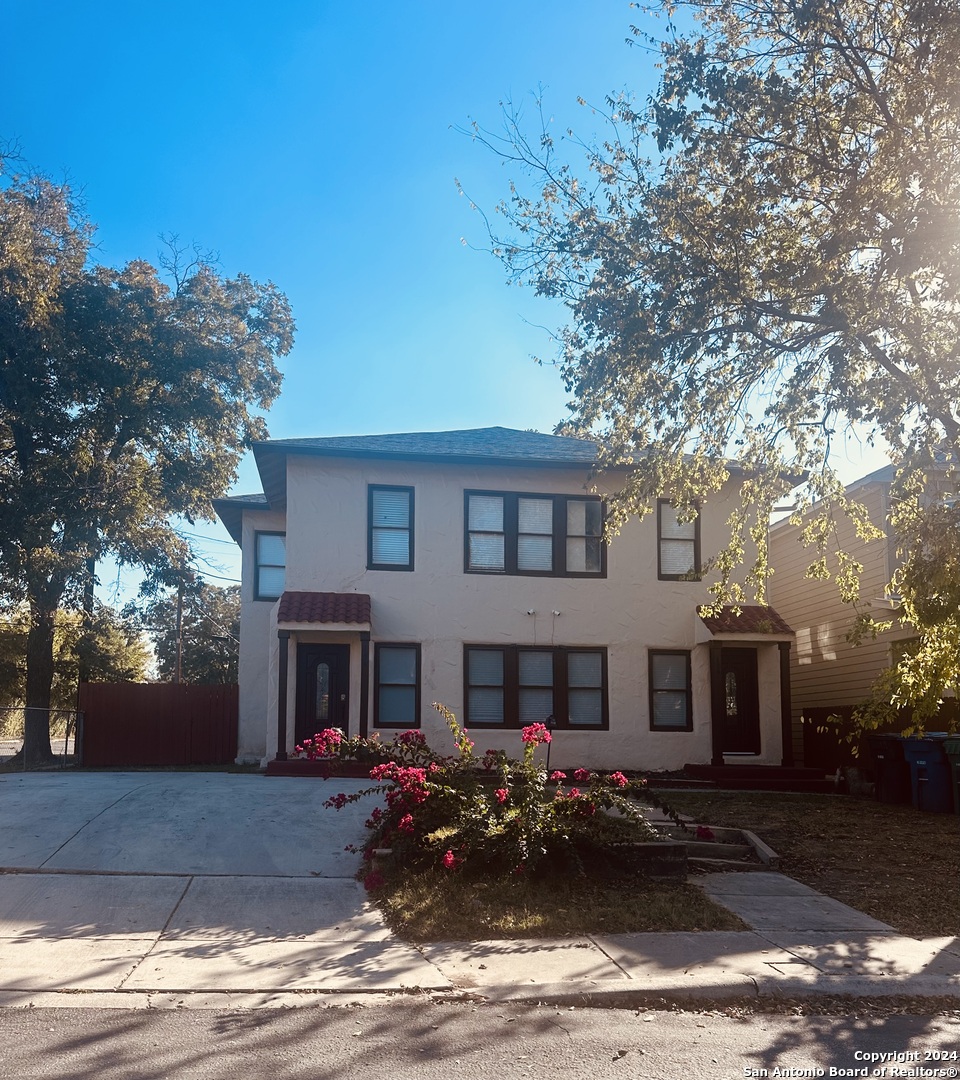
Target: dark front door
(323,681)
(740,720)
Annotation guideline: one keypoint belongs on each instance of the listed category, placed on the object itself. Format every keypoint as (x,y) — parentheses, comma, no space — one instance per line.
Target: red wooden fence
(158,724)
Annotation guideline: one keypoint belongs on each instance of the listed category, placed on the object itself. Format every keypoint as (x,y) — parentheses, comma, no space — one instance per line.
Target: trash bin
(930,773)
(890,769)
(951,747)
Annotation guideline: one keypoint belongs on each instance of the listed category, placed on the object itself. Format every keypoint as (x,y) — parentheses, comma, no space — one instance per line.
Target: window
(271,565)
(515,686)
(390,528)
(397,677)
(557,535)
(678,555)
(670,691)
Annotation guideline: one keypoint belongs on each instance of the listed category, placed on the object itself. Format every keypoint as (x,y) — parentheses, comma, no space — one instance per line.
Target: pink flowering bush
(493,814)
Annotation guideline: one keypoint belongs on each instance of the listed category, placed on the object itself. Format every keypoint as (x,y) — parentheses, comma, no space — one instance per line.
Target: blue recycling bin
(951,747)
(891,773)
(931,776)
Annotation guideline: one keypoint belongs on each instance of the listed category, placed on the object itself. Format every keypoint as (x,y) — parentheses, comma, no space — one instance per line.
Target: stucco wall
(255,616)
(443,608)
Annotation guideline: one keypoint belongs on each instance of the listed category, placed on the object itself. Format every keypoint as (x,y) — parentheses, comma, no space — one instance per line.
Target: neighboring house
(828,673)
(383,573)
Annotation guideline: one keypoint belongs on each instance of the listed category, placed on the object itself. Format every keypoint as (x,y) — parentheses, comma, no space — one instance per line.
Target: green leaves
(765,253)
(126,400)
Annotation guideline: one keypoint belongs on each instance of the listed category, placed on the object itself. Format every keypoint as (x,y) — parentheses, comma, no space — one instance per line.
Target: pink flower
(558,775)
(374,880)
(501,794)
(536,734)
(405,824)
(574,793)
(450,861)
(582,776)
(412,738)
(619,779)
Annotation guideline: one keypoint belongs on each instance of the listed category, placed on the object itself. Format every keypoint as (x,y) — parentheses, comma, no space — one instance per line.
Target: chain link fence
(64,725)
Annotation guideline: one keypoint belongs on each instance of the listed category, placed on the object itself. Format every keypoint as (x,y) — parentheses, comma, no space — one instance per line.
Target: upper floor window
(389,528)
(514,686)
(271,565)
(509,533)
(678,554)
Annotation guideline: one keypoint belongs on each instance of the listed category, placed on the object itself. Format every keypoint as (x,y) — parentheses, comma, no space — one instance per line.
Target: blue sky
(315,144)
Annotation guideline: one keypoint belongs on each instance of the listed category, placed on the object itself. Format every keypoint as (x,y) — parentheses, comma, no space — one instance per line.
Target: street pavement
(213,890)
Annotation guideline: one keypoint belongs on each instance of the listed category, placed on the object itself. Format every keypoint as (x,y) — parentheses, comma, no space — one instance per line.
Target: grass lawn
(436,905)
(893,862)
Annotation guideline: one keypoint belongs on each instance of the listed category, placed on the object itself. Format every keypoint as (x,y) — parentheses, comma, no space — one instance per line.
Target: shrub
(489,812)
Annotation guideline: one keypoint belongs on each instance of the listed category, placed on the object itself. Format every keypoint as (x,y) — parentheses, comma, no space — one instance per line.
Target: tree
(209,633)
(126,398)
(113,648)
(762,254)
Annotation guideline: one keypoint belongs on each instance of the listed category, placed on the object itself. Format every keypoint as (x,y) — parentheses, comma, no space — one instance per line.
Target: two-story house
(383,573)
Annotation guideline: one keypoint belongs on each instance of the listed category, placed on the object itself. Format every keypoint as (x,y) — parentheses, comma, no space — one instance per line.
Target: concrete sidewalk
(155,890)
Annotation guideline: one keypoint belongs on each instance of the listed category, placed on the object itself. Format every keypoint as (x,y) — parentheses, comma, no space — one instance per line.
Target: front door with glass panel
(323,682)
(741,701)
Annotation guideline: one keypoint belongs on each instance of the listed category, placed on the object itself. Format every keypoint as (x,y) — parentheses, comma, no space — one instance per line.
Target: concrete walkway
(218,890)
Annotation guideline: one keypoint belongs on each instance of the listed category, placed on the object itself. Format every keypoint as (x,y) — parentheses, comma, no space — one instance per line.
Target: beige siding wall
(826,670)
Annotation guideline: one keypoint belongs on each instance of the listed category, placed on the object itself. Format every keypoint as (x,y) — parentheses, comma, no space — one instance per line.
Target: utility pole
(178,673)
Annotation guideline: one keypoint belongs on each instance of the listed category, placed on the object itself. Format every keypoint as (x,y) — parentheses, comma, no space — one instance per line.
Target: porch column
(717,702)
(364,682)
(283,637)
(786,705)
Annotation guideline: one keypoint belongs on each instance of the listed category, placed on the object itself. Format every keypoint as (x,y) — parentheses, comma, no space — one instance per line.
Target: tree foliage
(210,633)
(112,649)
(762,254)
(127,397)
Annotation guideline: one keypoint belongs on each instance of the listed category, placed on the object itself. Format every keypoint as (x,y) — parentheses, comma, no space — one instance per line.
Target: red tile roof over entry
(324,607)
(753,619)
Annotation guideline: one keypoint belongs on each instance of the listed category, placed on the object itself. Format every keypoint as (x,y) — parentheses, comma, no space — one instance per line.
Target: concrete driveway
(174,883)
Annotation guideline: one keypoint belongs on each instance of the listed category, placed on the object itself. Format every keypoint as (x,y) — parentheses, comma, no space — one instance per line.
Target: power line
(202,536)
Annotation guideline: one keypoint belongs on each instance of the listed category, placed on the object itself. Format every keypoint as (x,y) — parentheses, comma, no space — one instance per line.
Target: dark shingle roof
(324,607)
(493,442)
(230,511)
(753,619)
(491,446)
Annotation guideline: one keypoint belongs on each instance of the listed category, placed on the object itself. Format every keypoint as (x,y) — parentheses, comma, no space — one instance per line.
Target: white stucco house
(383,573)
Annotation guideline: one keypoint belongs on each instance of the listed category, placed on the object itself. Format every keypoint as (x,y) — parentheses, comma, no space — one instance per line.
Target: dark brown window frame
(688,689)
(561,686)
(402,567)
(697,566)
(378,646)
(257,595)
(511,534)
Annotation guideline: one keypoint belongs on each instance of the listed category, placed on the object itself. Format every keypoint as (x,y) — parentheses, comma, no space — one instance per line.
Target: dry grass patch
(892,862)
(434,905)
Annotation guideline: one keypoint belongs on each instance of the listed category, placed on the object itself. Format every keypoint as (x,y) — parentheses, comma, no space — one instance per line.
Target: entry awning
(324,608)
(748,621)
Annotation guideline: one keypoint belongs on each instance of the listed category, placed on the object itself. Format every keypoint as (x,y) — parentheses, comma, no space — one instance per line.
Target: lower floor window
(397,677)
(514,686)
(670,691)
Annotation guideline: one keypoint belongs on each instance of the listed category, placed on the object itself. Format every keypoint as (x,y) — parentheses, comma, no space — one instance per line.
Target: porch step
(762,778)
